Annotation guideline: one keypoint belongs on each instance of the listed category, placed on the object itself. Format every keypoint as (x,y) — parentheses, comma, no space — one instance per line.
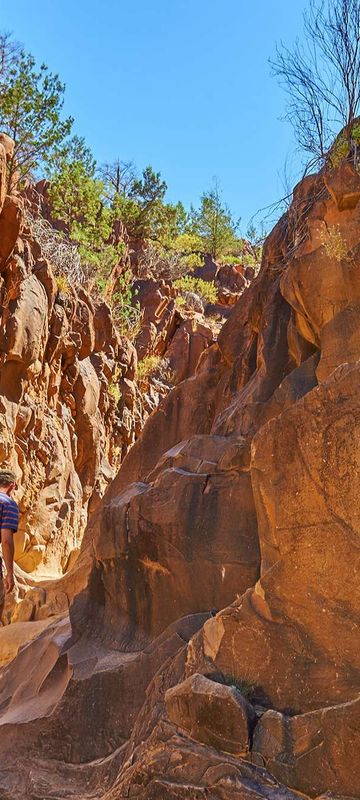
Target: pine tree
(31,103)
(213,222)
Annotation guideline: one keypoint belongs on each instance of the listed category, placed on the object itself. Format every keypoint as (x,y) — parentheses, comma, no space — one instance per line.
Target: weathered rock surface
(70,406)
(230,279)
(237,509)
(156,567)
(60,427)
(212,713)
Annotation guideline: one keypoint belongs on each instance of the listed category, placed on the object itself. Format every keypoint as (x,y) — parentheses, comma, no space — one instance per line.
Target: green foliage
(214,225)
(62,283)
(114,392)
(334,243)
(73,150)
(113,387)
(245,687)
(77,198)
(192,261)
(251,260)
(189,246)
(205,289)
(341,146)
(123,294)
(31,102)
(230,259)
(153,366)
(126,314)
(149,189)
(141,205)
(128,320)
(180,301)
(148,365)
(187,243)
(246,259)
(91,203)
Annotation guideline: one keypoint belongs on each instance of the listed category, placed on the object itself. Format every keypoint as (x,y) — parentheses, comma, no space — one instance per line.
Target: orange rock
(10,219)
(237,506)
(343,184)
(191,339)
(212,713)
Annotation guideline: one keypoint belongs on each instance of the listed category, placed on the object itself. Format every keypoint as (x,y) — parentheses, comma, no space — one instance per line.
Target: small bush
(205,289)
(193,260)
(57,248)
(113,386)
(341,147)
(128,320)
(194,301)
(215,321)
(242,685)
(334,243)
(250,260)
(114,391)
(148,365)
(155,367)
(62,284)
(180,301)
(231,259)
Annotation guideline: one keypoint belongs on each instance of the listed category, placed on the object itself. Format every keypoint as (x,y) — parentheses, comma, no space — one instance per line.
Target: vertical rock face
(61,429)
(214,625)
(70,405)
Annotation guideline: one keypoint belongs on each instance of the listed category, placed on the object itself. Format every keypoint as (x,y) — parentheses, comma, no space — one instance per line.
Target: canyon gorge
(186,617)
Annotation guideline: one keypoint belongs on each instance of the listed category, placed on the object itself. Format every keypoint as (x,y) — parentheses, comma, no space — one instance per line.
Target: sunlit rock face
(61,430)
(219,570)
(70,403)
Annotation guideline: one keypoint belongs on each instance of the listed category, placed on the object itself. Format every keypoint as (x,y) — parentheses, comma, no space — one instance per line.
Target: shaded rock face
(166,548)
(237,509)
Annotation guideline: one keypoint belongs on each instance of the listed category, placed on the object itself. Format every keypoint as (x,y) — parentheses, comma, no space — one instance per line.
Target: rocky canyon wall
(70,402)
(212,646)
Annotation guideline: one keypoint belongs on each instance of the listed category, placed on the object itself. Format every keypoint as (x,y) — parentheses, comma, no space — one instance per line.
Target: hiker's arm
(7,541)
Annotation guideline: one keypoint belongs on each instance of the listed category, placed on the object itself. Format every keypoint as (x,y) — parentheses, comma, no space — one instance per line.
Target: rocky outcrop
(230,280)
(213,628)
(70,404)
(212,713)
(174,340)
(61,428)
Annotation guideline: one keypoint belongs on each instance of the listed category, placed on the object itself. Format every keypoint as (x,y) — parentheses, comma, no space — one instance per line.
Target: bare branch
(321,75)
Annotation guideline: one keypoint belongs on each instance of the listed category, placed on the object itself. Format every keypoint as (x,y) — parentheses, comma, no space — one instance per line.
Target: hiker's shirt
(9,515)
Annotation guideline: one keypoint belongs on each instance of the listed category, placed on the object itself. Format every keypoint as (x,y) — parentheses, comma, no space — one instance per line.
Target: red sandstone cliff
(70,405)
(212,648)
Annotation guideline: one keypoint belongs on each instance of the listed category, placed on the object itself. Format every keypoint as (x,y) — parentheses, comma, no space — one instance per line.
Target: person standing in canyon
(9,521)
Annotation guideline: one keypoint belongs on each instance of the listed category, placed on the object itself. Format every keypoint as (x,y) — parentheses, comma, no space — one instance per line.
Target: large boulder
(316,752)
(212,713)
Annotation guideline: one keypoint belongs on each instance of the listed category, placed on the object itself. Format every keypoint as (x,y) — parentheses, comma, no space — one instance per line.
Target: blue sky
(183,85)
